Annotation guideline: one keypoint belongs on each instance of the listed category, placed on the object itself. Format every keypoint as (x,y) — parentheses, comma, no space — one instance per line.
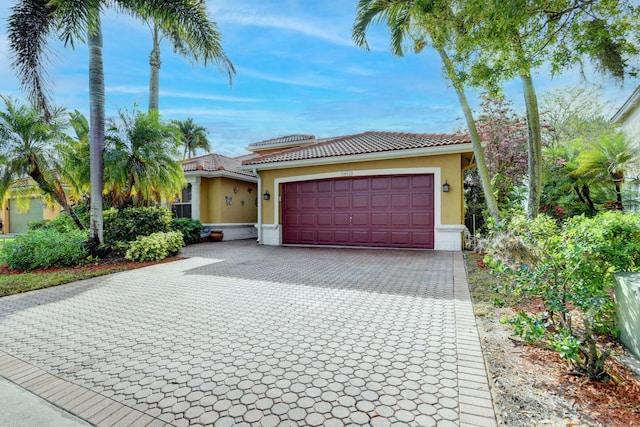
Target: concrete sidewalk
(241,334)
(20,408)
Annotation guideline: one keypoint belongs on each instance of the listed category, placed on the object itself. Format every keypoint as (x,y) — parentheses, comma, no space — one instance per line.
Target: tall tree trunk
(154,64)
(534,145)
(96,139)
(478,151)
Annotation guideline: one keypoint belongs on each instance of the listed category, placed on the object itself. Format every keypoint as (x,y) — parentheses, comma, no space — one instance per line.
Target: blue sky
(298,72)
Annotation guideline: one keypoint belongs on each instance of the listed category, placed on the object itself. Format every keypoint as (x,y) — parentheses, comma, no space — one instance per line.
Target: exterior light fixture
(266,195)
(446,187)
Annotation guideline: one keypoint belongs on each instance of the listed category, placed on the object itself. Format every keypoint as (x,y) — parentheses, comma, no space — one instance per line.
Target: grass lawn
(11,284)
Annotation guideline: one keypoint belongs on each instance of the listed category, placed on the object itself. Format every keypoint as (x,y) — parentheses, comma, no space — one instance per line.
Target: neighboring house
(24,204)
(220,195)
(376,189)
(628,117)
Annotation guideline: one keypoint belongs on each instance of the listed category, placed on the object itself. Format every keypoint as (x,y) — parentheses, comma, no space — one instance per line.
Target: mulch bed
(102,264)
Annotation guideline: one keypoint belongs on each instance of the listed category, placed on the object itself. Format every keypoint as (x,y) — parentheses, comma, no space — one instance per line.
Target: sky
(298,71)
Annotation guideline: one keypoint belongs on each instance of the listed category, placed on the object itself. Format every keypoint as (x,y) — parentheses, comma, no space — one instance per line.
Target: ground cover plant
(569,271)
(530,383)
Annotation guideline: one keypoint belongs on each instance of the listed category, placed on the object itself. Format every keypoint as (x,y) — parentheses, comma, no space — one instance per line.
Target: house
(628,117)
(220,195)
(24,204)
(374,189)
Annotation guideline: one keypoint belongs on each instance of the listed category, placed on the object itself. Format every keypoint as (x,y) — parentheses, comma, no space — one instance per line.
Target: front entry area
(376,211)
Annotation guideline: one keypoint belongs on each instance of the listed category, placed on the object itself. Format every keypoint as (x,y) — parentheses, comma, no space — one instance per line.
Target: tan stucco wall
(49,212)
(213,205)
(451,170)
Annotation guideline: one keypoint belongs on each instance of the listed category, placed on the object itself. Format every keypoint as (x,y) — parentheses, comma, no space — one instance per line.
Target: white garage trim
(446,237)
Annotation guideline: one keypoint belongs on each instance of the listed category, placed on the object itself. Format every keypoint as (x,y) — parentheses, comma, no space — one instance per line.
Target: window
(182,208)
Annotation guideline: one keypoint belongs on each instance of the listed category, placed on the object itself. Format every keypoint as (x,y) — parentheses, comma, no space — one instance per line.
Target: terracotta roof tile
(363,143)
(214,162)
(282,140)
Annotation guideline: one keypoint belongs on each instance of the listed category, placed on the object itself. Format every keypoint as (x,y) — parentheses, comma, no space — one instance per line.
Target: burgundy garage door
(390,211)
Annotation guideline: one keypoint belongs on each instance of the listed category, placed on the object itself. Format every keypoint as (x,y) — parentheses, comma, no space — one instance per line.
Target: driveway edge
(474,396)
(85,404)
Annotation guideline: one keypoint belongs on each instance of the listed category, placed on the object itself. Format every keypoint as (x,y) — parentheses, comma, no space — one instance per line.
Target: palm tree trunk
(478,151)
(534,145)
(154,64)
(55,190)
(96,146)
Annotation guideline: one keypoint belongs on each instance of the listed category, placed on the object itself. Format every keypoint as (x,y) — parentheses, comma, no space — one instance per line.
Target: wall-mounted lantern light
(266,195)
(446,187)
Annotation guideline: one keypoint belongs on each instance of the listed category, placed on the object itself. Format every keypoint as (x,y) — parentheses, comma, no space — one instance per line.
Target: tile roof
(214,162)
(362,143)
(282,140)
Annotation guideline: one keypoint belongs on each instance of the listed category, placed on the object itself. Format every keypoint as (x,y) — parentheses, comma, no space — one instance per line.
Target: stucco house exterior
(220,195)
(628,117)
(23,204)
(375,189)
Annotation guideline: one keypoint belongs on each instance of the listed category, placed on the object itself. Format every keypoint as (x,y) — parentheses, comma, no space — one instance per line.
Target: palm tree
(189,46)
(608,159)
(33,22)
(410,19)
(140,160)
(27,144)
(74,151)
(192,137)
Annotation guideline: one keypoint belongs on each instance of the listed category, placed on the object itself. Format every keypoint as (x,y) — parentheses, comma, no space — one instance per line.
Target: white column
(195,195)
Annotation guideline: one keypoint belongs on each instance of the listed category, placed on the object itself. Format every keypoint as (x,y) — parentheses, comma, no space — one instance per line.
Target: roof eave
(382,155)
(222,174)
(630,104)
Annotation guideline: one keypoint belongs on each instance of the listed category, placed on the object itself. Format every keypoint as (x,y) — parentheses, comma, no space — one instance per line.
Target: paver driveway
(240,334)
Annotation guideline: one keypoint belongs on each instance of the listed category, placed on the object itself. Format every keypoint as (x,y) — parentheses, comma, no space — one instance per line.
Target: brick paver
(240,334)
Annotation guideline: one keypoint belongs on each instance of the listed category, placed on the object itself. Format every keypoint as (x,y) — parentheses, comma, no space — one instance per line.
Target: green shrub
(570,268)
(155,247)
(45,248)
(125,225)
(190,228)
(63,222)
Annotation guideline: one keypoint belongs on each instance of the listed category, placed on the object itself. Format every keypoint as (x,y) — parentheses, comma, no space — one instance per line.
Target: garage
(19,219)
(377,211)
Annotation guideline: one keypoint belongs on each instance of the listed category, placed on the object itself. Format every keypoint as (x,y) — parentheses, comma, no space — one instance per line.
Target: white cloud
(288,23)
(308,80)
(143,90)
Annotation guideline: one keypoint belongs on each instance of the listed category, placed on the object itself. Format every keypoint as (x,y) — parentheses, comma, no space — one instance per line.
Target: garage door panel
(422,182)
(401,238)
(421,200)
(379,237)
(341,219)
(307,187)
(360,201)
(360,219)
(380,201)
(325,219)
(380,219)
(325,202)
(401,183)
(379,183)
(401,219)
(392,211)
(342,236)
(422,219)
(307,219)
(360,237)
(324,187)
(360,184)
(341,202)
(325,236)
(342,185)
(400,201)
